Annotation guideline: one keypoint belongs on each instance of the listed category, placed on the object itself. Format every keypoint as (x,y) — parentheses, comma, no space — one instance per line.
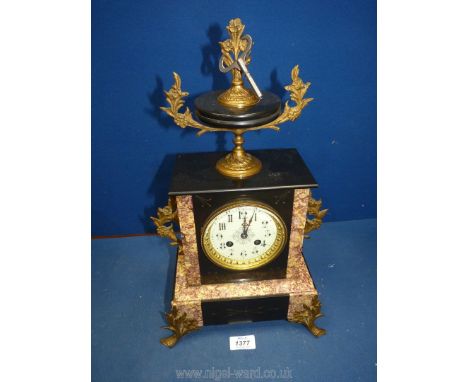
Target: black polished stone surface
(252,309)
(281,168)
(211,112)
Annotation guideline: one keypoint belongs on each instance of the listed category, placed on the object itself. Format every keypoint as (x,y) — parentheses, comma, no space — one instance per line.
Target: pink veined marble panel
(299,283)
(296,238)
(189,238)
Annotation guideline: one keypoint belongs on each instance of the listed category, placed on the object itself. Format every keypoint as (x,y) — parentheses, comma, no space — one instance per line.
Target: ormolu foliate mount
(237,109)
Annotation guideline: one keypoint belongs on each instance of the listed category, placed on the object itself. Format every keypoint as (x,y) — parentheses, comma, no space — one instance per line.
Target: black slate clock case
(283,171)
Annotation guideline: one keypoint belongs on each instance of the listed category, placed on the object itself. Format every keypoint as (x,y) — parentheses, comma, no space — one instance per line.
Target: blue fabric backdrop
(137,44)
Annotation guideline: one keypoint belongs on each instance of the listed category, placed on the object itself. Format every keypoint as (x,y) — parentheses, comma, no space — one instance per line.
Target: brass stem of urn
(238,164)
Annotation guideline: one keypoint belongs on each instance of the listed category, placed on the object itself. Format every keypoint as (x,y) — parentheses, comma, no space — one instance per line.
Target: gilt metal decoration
(164,223)
(175,98)
(240,46)
(314,209)
(235,56)
(308,316)
(179,324)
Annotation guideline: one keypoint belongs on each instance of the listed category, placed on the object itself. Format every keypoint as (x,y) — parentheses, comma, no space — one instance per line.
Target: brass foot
(180,325)
(308,316)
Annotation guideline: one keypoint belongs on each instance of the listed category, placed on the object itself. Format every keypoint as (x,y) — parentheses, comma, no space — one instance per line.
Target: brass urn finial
(237,95)
(238,164)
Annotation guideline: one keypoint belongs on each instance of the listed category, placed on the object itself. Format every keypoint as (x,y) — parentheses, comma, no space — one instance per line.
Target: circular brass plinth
(239,166)
(238,96)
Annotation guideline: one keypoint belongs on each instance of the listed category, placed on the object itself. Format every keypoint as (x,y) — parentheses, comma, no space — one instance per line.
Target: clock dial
(243,235)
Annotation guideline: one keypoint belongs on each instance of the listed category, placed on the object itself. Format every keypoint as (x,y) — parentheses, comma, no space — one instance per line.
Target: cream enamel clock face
(243,235)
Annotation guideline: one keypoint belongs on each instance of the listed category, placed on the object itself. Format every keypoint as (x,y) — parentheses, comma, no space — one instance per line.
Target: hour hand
(244,228)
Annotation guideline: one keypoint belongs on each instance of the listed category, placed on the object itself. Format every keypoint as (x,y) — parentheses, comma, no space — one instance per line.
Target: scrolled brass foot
(169,341)
(180,325)
(308,316)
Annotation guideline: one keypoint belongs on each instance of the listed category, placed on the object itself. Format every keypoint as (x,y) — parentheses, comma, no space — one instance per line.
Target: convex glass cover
(243,235)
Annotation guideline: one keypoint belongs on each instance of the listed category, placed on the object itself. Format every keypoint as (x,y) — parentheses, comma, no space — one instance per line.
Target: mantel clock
(241,216)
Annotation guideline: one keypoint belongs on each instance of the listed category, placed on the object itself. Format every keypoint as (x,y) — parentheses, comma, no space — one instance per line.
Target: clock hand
(250,221)
(244,230)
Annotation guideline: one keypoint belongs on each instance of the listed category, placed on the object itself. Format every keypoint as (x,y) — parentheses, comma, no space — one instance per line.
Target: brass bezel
(214,256)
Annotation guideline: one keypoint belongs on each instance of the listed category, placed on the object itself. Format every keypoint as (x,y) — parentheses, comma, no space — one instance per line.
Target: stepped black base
(211,112)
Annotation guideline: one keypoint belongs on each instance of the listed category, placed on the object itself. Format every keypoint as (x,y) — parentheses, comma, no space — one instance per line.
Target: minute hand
(250,221)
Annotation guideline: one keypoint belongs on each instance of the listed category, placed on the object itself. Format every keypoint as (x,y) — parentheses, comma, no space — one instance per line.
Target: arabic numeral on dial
(243,253)
(222,246)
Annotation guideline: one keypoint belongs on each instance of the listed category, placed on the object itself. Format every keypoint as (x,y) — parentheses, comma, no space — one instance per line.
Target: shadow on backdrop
(170,281)
(209,67)
(211,53)
(157,99)
(276,86)
(158,190)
